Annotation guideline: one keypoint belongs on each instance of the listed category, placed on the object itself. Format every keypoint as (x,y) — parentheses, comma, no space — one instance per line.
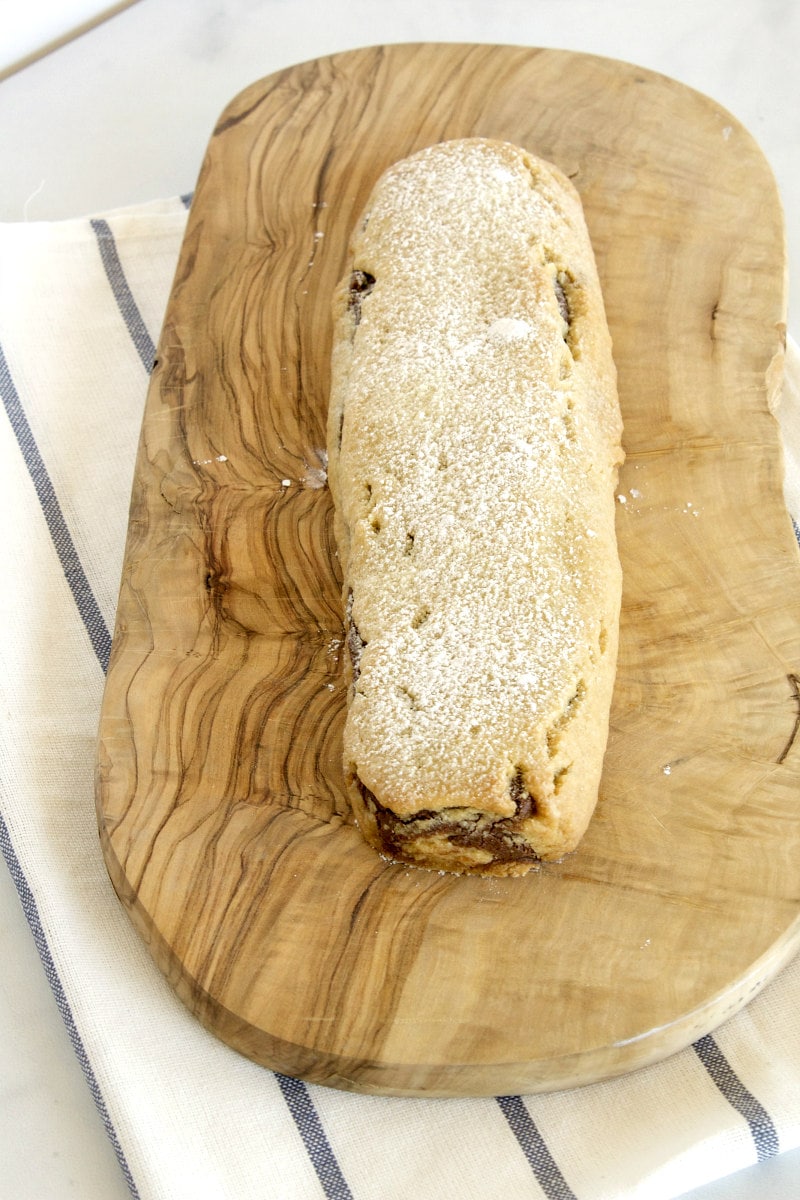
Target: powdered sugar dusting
(475,477)
(509,328)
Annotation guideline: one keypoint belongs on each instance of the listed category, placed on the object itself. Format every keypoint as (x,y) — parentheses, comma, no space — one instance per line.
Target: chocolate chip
(361,284)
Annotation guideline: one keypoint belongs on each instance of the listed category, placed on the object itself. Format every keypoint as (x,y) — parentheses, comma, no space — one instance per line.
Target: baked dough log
(474,445)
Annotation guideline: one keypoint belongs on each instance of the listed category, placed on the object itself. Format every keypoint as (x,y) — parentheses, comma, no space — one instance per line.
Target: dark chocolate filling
(500,837)
(524,801)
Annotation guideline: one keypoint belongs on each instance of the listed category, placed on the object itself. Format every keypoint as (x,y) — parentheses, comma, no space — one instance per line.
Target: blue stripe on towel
(101,642)
(294,1091)
(315,1140)
(542,1163)
(122,293)
(30,908)
(62,539)
(296,1094)
(763,1130)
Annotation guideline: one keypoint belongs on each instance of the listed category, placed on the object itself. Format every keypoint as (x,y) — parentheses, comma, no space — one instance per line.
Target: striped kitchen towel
(81,303)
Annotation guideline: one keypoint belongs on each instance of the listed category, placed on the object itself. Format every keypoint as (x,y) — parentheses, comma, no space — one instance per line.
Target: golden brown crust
(474,442)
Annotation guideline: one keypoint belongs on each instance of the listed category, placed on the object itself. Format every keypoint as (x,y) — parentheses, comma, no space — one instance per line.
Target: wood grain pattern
(220,800)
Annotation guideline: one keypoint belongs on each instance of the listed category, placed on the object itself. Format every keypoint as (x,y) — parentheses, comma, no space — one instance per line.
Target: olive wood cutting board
(220,797)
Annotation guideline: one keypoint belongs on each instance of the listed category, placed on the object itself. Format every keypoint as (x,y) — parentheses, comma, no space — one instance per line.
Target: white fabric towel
(81,304)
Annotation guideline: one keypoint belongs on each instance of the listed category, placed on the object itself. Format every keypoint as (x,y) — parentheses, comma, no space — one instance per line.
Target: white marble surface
(123,114)
(31,28)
